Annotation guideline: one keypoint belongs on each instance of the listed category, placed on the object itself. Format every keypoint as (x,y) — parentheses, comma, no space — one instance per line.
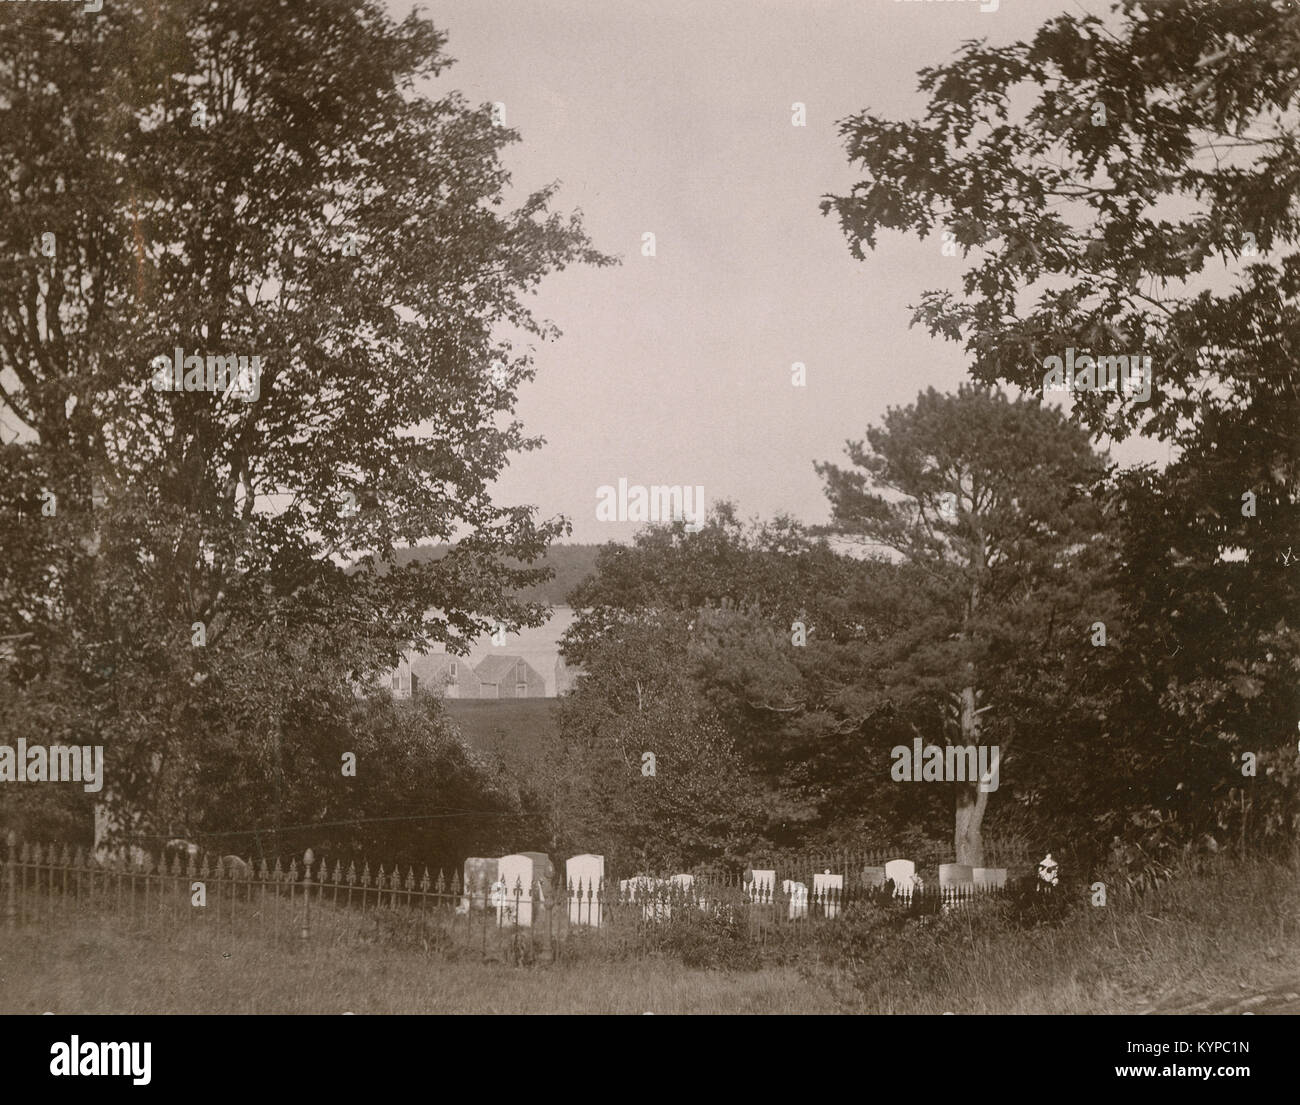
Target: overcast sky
(675,117)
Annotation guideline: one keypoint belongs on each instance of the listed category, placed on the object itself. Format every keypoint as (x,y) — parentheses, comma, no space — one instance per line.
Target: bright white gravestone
(901,871)
(798,893)
(829,890)
(517,874)
(584,876)
(758,887)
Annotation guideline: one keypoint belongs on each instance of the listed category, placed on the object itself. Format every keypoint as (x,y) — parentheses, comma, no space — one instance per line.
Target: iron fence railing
(314,901)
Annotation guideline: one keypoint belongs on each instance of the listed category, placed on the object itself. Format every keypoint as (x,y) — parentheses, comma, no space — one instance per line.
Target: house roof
(492,668)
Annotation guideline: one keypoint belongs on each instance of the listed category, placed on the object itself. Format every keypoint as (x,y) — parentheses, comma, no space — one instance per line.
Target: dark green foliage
(1166,228)
(710,939)
(226,233)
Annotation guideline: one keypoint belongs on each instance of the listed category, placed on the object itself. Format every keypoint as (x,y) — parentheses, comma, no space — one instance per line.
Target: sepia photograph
(671,507)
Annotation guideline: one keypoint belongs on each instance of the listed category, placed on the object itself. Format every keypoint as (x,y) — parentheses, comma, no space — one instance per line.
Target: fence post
(11,913)
(307,861)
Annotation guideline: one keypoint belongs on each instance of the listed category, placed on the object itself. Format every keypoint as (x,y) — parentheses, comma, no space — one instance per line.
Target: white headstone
(956,883)
(955,874)
(901,871)
(652,893)
(683,888)
(498,900)
(989,877)
(759,885)
(829,890)
(637,886)
(584,876)
(480,874)
(873,876)
(517,872)
(798,893)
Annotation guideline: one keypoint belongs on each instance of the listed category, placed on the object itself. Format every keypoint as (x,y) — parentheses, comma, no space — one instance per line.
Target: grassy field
(516,729)
(1197,944)
(65,970)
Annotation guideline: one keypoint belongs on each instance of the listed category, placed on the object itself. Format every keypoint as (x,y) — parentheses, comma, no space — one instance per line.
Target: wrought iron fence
(224,895)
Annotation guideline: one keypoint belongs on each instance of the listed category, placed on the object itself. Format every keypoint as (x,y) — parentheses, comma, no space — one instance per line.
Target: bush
(712,938)
(718,936)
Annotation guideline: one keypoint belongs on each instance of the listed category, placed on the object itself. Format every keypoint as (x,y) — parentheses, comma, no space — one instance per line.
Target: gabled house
(509,677)
(450,676)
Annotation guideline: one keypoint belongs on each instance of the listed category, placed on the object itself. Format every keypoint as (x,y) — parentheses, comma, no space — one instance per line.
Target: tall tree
(643,765)
(989,500)
(288,184)
(1128,187)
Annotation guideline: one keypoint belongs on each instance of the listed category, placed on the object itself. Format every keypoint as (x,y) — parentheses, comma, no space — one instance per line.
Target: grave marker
(519,874)
(585,876)
(798,893)
(759,884)
(901,871)
(829,890)
(480,874)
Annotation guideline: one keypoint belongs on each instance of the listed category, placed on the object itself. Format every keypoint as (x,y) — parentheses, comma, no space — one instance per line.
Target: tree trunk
(968,838)
(968,835)
(114,830)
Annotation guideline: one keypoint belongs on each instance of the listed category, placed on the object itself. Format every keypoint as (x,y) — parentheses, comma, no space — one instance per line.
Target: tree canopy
(296,185)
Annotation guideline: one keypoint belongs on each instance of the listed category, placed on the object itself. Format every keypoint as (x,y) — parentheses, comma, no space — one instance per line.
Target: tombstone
(873,877)
(543,877)
(829,890)
(543,868)
(954,875)
(232,867)
(683,888)
(519,875)
(585,876)
(480,874)
(989,878)
(798,893)
(650,892)
(501,901)
(759,885)
(901,871)
(956,884)
(629,890)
